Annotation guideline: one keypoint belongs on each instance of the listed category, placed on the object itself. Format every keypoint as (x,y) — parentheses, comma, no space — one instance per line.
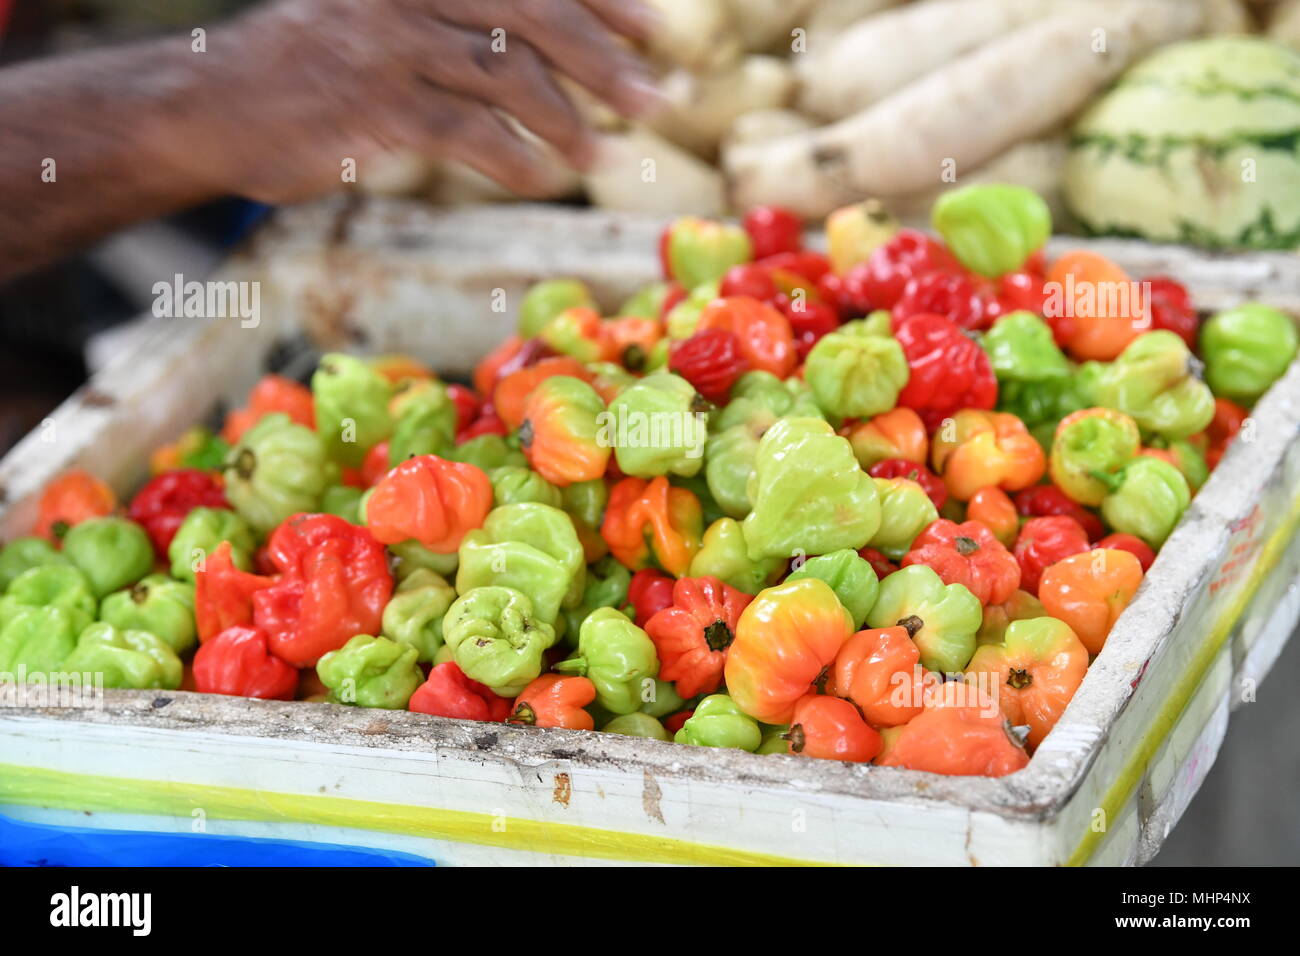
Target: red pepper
(675,295)
(449,693)
(878,283)
(673,722)
(237,662)
(773,230)
(1022,291)
(931,483)
(1043,542)
(879,563)
(1171,308)
(1042,501)
(223,594)
(1130,543)
(967,554)
(805,263)
(948,371)
(1227,421)
(955,296)
(334,584)
(486,424)
(374,466)
(711,361)
(163,503)
(809,321)
(467,405)
(692,634)
(649,592)
(750,279)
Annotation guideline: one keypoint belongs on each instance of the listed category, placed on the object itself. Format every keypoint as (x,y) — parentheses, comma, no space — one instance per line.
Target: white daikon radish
(696,34)
(764,24)
(702,108)
(1284,24)
(959,117)
(640,171)
(762,125)
(831,18)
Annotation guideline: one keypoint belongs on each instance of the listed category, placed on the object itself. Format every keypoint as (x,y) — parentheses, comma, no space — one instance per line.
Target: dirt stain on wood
(563,789)
(651,794)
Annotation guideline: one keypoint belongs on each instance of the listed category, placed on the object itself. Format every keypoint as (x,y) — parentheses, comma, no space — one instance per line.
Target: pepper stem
(574,665)
(798,739)
(139,592)
(245,463)
(718,636)
(634,358)
(526,434)
(966,546)
(1019,678)
(523,714)
(912,623)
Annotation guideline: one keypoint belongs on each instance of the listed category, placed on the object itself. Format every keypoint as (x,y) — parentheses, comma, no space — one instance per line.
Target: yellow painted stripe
(57,789)
(1129,778)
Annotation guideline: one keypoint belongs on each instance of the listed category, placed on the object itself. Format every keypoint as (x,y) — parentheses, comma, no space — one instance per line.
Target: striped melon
(1199,143)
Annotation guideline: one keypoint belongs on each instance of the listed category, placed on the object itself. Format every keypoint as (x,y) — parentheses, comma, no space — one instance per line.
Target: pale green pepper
(200,533)
(410,556)
(39,639)
(905,511)
(157,604)
(495,637)
(1154,382)
(546,299)
(351,399)
(658,427)
(371,672)
(1147,498)
(487,452)
(723,555)
(59,585)
(809,494)
(615,655)
(718,722)
(942,619)
(425,423)
(850,576)
(110,552)
(992,228)
(1246,350)
(414,613)
(636,725)
(856,371)
(130,659)
(342,501)
(513,484)
(23,554)
(702,250)
(277,470)
(607,582)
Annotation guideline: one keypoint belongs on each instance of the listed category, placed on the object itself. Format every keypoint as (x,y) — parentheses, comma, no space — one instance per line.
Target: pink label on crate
(1243,547)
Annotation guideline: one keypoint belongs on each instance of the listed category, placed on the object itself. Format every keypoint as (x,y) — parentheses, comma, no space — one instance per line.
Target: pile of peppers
(881,505)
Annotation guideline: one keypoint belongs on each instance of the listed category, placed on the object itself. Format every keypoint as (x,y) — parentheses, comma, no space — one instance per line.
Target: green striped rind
(1198,144)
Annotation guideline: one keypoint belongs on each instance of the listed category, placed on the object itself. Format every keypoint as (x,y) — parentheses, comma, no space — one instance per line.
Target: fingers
(452,126)
(571,39)
(511,77)
(634,19)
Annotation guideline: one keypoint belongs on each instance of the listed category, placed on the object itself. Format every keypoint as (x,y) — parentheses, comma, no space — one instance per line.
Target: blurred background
(733,85)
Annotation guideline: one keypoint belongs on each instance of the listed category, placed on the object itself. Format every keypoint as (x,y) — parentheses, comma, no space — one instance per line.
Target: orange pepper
(981,448)
(961,732)
(830,728)
(880,670)
(374,466)
(630,340)
(766,340)
(692,635)
(434,501)
(560,432)
(1103,301)
(553,700)
(997,617)
(577,333)
(1089,590)
(786,641)
(69,499)
(645,518)
(993,508)
(1032,674)
(487,370)
(401,368)
(274,393)
(512,390)
(897,433)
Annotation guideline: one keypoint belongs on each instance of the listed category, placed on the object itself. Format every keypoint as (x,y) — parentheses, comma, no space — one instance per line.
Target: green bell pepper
(371,672)
(718,722)
(663,699)
(809,493)
(1154,382)
(39,639)
(724,555)
(607,582)
(759,398)
(276,470)
(59,585)
(856,371)
(636,725)
(342,501)
(487,452)
(992,228)
(531,547)
(657,427)
(157,604)
(352,414)
(1089,449)
(615,655)
(702,250)
(23,554)
(110,552)
(515,484)
(729,461)
(1147,499)
(905,511)
(415,612)
(850,576)
(425,423)
(546,299)
(129,659)
(200,533)
(942,619)
(1035,380)
(496,638)
(1246,350)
